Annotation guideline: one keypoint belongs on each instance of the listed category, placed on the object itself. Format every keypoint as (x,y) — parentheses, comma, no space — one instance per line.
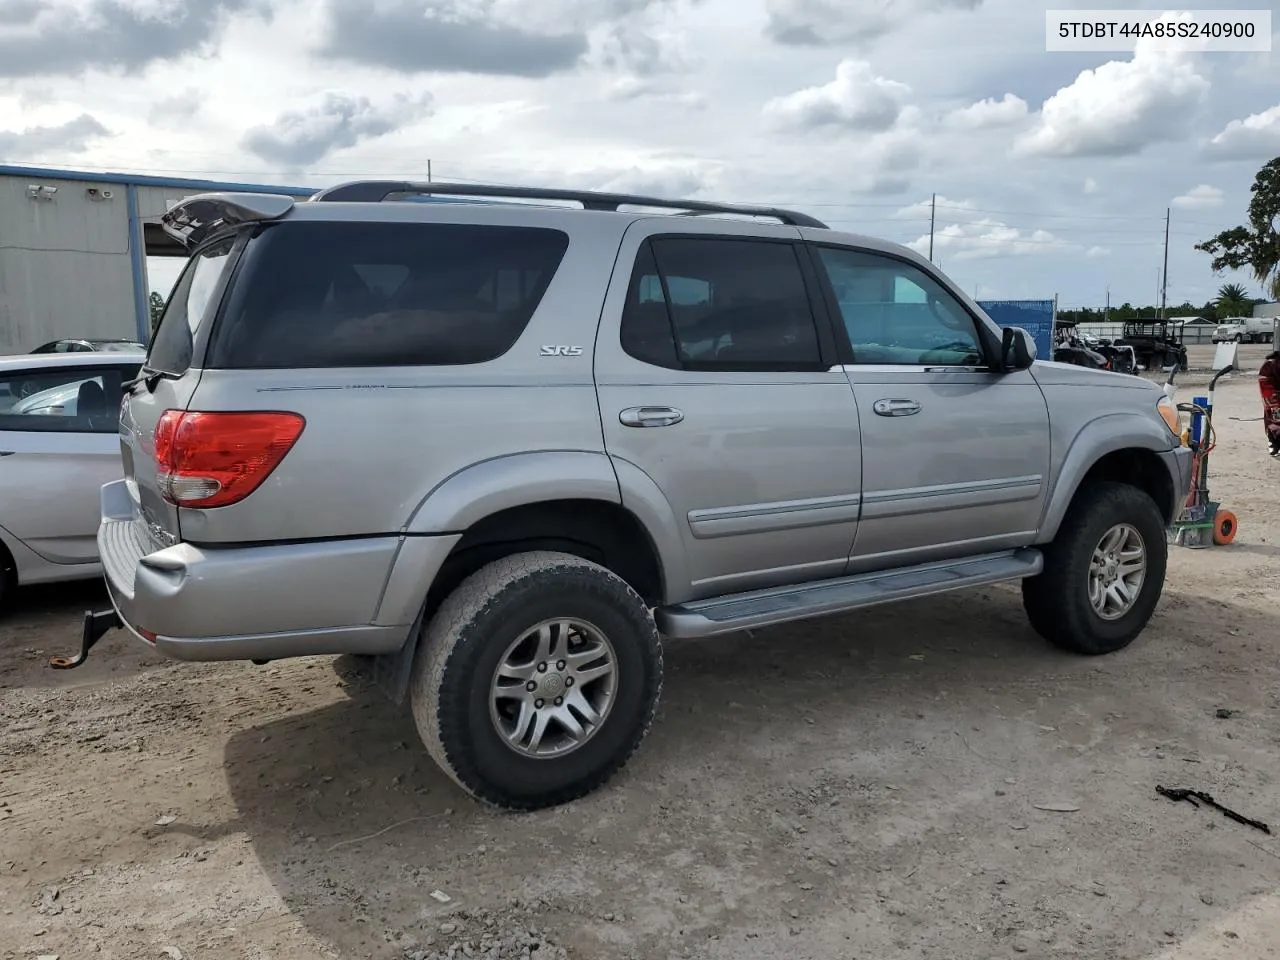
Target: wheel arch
(599,530)
(521,485)
(8,569)
(1125,448)
(10,549)
(596,529)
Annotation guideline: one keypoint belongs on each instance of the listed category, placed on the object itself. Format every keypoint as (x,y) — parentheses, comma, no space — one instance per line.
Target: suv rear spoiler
(195,219)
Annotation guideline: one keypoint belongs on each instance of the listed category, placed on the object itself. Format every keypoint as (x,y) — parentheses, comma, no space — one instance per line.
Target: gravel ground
(921,781)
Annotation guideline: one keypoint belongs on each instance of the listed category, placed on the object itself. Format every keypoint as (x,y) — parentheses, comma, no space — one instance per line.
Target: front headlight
(1169,414)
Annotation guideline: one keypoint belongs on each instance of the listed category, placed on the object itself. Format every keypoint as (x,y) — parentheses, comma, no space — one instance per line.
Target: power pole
(1106,311)
(1164,273)
(933,206)
(428,171)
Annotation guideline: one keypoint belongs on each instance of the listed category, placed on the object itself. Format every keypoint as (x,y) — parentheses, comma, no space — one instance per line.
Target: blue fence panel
(1034,316)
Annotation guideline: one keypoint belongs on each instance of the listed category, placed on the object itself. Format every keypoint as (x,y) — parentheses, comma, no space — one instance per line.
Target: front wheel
(1103,572)
(536,680)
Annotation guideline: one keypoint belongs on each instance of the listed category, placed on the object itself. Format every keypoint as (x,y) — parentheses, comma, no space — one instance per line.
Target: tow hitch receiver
(95,627)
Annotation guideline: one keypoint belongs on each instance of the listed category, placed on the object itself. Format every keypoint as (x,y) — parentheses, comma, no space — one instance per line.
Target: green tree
(1255,248)
(1233,301)
(156,302)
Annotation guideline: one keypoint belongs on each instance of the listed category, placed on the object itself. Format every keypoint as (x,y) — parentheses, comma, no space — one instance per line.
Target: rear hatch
(349,369)
(167,382)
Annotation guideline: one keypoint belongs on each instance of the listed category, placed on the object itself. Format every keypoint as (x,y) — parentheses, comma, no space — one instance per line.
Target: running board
(765,608)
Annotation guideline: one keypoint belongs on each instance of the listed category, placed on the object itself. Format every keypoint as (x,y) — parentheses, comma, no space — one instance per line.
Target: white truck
(1244,330)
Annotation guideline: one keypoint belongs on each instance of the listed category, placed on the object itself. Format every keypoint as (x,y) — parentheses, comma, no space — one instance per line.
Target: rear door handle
(650,416)
(896,408)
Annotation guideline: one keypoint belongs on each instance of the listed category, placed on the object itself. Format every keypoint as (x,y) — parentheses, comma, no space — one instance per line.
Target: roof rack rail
(375,191)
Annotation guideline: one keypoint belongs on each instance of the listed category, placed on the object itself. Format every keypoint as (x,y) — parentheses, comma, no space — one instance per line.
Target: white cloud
(74,136)
(941,206)
(815,23)
(857,99)
(623,115)
(673,181)
(1199,198)
(1097,253)
(989,113)
(1256,137)
(987,238)
(635,88)
(1119,108)
(298,138)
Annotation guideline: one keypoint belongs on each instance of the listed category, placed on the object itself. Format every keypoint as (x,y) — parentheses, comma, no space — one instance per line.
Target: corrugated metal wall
(65,268)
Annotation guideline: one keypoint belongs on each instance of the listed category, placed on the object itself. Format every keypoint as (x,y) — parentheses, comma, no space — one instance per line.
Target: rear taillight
(215,459)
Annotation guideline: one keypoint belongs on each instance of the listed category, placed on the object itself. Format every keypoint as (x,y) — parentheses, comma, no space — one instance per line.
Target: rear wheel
(1103,573)
(536,680)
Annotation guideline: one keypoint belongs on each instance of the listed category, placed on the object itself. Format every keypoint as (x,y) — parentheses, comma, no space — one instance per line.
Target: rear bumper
(264,602)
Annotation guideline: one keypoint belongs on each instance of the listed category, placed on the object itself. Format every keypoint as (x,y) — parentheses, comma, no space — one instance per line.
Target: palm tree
(1233,301)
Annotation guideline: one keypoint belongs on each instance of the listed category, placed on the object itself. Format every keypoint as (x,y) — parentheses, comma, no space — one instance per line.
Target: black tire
(8,578)
(466,640)
(1057,600)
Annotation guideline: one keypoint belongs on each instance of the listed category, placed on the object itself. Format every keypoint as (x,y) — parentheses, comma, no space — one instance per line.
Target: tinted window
(70,400)
(716,304)
(384,294)
(896,313)
(190,304)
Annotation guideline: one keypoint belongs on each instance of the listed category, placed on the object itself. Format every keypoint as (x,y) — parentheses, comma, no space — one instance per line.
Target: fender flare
(491,486)
(523,479)
(642,496)
(1107,434)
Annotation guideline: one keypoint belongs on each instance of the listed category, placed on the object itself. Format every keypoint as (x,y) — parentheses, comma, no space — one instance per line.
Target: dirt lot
(868,786)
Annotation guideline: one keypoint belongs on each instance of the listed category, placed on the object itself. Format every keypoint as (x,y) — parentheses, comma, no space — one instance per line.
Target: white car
(59,443)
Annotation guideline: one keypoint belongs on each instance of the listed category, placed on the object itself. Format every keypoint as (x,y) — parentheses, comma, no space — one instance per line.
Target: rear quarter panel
(379,441)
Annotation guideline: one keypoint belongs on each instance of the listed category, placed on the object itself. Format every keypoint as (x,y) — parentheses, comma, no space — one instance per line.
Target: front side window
(70,400)
(895,313)
(701,303)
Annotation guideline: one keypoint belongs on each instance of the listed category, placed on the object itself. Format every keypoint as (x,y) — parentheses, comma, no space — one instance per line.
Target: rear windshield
(341,294)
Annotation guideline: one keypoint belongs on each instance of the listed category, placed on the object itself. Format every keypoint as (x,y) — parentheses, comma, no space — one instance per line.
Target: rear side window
(720,304)
(343,294)
(188,307)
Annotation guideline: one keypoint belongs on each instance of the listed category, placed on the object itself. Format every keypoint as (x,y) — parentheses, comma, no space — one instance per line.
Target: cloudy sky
(1052,171)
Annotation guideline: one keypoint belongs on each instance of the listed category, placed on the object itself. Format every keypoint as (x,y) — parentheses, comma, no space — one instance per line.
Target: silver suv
(501,447)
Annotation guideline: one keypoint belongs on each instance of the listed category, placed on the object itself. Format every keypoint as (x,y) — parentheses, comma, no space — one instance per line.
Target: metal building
(74,248)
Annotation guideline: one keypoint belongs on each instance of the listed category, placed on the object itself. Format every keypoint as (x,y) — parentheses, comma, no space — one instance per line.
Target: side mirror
(1017,349)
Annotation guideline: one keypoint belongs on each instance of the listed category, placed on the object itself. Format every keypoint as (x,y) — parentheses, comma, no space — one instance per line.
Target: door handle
(650,416)
(896,408)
